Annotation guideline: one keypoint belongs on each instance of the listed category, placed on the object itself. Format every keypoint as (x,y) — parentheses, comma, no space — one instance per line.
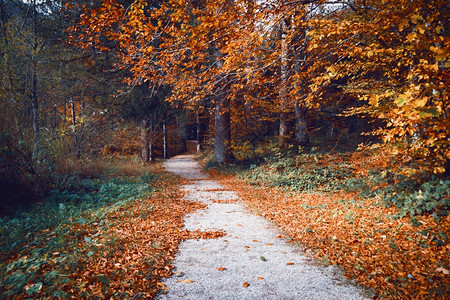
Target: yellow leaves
(411,37)
(402,99)
(442,54)
(421,102)
(373,100)
(439,29)
(421,28)
(416,18)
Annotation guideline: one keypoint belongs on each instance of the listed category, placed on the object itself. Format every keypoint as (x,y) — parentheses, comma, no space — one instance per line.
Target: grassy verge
(387,231)
(114,238)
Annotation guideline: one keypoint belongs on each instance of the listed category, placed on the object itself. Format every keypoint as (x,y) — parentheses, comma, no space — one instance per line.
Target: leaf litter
(124,254)
(390,255)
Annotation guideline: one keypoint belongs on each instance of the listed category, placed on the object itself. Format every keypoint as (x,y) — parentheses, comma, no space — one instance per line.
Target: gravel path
(251,261)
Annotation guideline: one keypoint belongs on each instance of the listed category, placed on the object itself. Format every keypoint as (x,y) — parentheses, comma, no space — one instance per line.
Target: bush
(414,198)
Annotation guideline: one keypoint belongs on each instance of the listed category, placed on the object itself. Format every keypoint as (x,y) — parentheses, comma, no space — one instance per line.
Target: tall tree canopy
(388,59)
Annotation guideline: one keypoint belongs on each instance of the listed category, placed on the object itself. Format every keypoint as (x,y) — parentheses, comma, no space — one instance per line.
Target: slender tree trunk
(145,155)
(301,126)
(299,56)
(199,134)
(285,129)
(81,127)
(34,87)
(55,122)
(222,129)
(150,139)
(151,153)
(165,146)
(76,142)
(35,116)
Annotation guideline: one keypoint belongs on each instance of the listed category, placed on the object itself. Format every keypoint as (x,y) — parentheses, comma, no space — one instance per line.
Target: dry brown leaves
(394,258)
(143,246)
(131,249)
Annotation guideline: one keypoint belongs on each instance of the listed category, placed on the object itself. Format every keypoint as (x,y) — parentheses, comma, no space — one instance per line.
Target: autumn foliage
(387,59)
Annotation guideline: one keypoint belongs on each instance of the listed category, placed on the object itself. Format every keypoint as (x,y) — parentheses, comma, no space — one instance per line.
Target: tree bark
(301,126)
(222,129)
(145,148)
(199,134)
(165,145)
(34,87)
(151,135)
(75,133)
(299,57)
(285,129)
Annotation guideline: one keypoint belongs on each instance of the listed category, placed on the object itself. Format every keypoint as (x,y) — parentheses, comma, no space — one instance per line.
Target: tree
(286,56)
(399,71)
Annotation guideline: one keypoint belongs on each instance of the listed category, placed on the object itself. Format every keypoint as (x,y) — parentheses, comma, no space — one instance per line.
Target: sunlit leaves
(260,51)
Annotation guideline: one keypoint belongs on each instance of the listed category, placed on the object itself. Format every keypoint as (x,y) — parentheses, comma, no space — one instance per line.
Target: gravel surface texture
(251,261)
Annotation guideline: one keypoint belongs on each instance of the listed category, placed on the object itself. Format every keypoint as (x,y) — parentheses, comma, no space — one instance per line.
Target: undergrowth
(40,235)
(359,174)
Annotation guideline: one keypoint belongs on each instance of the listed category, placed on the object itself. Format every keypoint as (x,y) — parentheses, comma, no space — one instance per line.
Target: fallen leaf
(221,269)
(289,263)
(269,245)
(443,270)
(263,258)
(260,278)
(246,284)
(186,281)
(255,241)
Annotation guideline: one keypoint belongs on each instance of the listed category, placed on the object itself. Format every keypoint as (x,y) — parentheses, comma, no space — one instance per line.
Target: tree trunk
(285,129)
(222,129)
(145,149)
(299,57)
(165,146)
(34,87)
(35,117)
(151,135)
(76,142)
(301,126)
(55,122)
(199,133)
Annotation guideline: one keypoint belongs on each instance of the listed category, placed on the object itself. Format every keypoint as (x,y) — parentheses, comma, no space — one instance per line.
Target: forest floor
(334,207)
(175,232)
(251,260)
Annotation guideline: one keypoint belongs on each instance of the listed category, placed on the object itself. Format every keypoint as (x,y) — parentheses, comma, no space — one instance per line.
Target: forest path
(250,261)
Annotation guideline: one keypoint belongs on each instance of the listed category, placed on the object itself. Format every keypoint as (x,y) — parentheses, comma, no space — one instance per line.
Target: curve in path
(250,261)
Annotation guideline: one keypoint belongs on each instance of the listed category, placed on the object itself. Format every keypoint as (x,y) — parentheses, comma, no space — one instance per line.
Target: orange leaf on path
(186,281)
